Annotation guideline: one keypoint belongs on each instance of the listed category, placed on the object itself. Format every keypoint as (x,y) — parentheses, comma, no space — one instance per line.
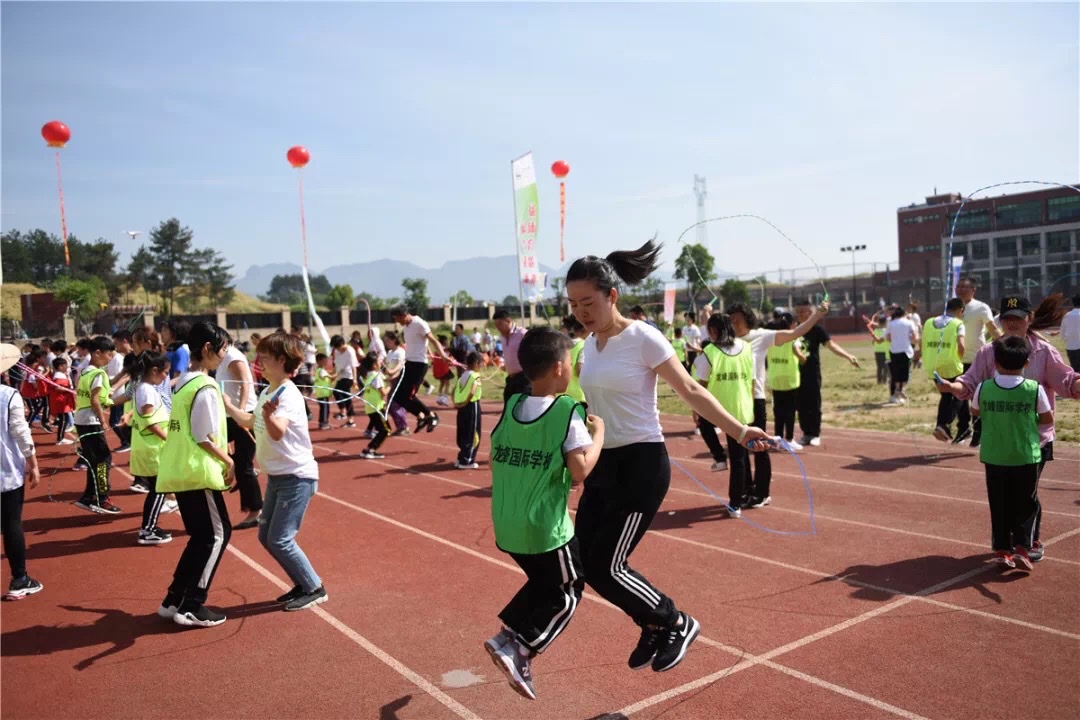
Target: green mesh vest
(1010,424)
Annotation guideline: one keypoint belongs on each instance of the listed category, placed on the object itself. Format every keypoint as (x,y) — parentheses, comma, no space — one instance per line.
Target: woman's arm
(243,419)
(704,404)
(786,336)
(223,457)
(158,429)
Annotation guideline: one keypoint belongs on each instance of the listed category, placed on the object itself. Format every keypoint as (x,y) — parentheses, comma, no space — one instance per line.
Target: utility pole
(701,193)
(854,281)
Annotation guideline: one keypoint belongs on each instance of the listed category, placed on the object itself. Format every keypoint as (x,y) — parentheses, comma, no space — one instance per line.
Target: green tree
(289,289)
(209,277)
(695,265)
(462,298)
(139,271)
(416,296)
(86,296)
(340,296)
(735,291)
(510,300)
(171,247)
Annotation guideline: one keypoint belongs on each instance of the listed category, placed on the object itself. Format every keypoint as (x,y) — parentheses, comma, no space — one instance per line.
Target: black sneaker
(422,423)
(157,536)
(197,616)
(675,643)
(291,595)
(169,605)
(961,436)
(316,597)
(432,422)
(643,654)
(21,587)
(371,455)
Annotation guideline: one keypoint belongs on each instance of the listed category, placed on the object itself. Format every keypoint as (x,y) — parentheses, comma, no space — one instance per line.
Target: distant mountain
(485,278)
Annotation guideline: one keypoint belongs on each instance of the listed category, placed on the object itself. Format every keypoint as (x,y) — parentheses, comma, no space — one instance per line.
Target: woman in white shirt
(620,363)
(903,337)
(284,452)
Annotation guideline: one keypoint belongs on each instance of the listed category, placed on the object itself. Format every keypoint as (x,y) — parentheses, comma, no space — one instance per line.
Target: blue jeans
(287,498)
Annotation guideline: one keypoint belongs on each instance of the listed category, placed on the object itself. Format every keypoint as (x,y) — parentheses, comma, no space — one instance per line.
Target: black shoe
(21,587)
(422,423)
(961,436)
(306,600)
(432,421)
(643,654)
(190,615)
(291,595)
(675,643)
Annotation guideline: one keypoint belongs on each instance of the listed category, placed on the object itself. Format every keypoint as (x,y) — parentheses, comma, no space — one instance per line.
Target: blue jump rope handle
(277,394)
(937,378)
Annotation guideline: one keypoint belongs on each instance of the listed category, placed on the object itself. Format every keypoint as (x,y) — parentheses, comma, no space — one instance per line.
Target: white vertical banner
(526,213)
(669,302)
(957,264)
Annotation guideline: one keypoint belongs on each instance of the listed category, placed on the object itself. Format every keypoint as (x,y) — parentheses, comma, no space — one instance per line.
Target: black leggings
(409,381)
(343,393)
(377,425)
(247,480)
(11,507)
(151,509)
(784,403)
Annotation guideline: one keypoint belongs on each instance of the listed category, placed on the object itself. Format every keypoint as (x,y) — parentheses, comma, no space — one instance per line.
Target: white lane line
(370,647)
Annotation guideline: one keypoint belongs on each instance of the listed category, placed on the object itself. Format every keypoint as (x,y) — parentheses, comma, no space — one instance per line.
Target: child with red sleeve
(62,401)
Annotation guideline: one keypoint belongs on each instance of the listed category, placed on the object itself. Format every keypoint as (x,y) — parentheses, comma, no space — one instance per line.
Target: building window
(1005,247)
(971,221)
(919,219)
(1030,245)
(1028,213)
(921,249)
(1055,274)
(1059,241)
(1031,280)
(980,249)
(1065,208)
(961,249)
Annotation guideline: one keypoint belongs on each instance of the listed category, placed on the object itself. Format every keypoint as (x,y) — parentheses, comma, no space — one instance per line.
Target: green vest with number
(880,343)
(1010,424)
(461,394)
(574,388)
(373,398)
(145,444)
(783,367)
(731,380)
(529,480)
(86,380)
(939,349)
(182,464)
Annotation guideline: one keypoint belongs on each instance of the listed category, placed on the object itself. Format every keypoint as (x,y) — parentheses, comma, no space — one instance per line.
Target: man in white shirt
(1070,333)
(417,336)
(692,335)
(978,322)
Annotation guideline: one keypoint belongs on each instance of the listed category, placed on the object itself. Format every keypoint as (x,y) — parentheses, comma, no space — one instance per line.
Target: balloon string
(63,218)
(562,222)
(303,224)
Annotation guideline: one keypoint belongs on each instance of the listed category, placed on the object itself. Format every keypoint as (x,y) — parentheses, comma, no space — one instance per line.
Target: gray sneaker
(516,667)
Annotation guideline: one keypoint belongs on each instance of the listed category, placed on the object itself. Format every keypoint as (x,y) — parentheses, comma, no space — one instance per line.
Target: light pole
(854,280)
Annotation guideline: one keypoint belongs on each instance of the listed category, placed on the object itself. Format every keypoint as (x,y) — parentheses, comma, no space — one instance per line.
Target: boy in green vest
(467,392)
(943,353)
(1012,408)
(680,347)
(324,388)
(542,444)
(91,419)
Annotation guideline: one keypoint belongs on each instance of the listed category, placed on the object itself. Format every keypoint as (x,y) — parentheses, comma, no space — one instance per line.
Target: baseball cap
(1015,306)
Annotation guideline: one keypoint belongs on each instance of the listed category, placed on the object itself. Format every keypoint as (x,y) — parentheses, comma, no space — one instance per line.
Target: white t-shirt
(692,335)
(1070,329)
(476,338)
(115,366)
(376,346)
(577,436)
(229,379)
(345,363)
(292,454)
(620,382)
(86,416)
(915,318)
(900,333)
(1008,382)
(415,338)
(976,315)
(309,356)
(760,341)
(394,359)
(206,417)
(147,394)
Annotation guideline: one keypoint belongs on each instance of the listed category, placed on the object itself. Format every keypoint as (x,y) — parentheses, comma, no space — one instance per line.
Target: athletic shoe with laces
(371,455)
(309,599)
(1006,559)
(493,643)
(512,659)
(168,606)
(349,424)
(1036,552)
(467,466)
(759,502)
(432,421)
(401,433)
(84,504)
(675,642)
(21,587)
(66,441)
(734,512)
(157,536)
(123,449)
(796,446)
(139,486)
(197,616)
(719,466)
(642,655)
(942,434)
(296,592)
(814,442)
(1022,558)
(106,507)
(169,506)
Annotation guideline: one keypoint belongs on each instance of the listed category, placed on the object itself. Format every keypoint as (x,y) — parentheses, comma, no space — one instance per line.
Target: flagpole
(517,243)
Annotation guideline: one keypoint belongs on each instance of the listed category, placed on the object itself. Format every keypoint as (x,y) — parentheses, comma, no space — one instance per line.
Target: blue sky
(822,118)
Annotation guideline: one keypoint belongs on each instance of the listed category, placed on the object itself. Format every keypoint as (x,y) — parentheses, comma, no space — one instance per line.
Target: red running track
(890,610)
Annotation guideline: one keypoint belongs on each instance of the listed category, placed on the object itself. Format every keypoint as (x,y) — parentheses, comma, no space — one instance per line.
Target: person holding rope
(621,361)
(978,323)
(417,337)
(810,375)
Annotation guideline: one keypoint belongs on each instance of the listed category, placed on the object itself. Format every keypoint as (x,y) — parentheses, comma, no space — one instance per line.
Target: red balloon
(560,169)
(56,133)
(298,156)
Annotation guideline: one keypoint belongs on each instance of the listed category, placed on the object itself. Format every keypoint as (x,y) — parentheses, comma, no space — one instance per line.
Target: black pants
(712,441)
(243,455)
(11,507)
(409,381)
(151,508)
(343,393)
(516,383)
(1047,456)
(740,481)
(63,421)
(947,408)
(468,433)
(784,403)
(762,478)
(1074,359)
(94,449)
(324,412)
(1014,505)
(544,605)
(809,404)
(377,425)
(900,370)
(116,414)
(963,418)
(882,368)
(206,521)
(621,497)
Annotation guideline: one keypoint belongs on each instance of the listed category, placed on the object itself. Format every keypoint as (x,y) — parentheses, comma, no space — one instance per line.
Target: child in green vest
(374,395)
(943,353)
(194,463)
(324,388)
(1012,408)
(782,376)
(467,394)
(680,347)
(539,448)
(91,419)
(149,423)
(877,327)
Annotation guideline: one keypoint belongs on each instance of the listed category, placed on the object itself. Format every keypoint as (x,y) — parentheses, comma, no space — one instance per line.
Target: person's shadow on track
(917,575)
(893,464)
(116,628)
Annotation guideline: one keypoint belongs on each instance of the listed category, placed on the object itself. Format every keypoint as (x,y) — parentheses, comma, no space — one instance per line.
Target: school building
(1025,242)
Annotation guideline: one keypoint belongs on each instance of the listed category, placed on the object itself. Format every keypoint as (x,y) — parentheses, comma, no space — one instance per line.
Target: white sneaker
(815,442)
(734,513)
(169,506)
(719,466)
(796,446)
(697,431)
(470,466)
(442,400)
(66,441)
(760,503)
